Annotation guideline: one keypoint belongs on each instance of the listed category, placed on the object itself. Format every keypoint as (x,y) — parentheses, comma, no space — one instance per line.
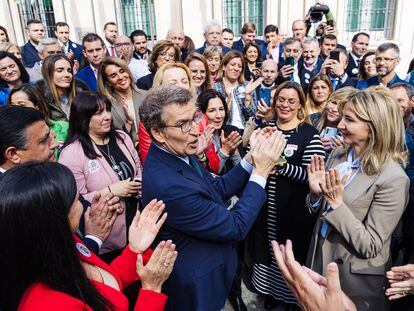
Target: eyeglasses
(187,125)
(289,101)
(385,59)
(170,55)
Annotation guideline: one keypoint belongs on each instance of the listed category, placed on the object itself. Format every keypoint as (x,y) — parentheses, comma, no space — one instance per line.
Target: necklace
(114,165)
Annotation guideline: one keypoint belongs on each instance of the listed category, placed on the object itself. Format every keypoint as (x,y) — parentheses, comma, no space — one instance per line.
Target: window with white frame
(136,15)
(375,17)
(38,9)
(237,12)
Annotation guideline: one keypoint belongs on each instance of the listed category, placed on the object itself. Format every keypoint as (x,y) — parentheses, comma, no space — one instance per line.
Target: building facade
(384,20)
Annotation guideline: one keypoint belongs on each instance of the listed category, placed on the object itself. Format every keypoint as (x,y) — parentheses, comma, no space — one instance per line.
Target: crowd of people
(161,179)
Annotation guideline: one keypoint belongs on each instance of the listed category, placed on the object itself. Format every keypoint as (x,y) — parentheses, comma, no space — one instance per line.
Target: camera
(316,13)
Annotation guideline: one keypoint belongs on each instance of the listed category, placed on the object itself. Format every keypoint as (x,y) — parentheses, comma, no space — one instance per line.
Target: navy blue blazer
(239,46)
(200,50)
(76,48)
(204,231)
(29,55)
(373,81)
(87,76)
(352,68)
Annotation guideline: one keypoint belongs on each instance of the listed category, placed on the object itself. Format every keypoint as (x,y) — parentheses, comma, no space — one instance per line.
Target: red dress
(40,297)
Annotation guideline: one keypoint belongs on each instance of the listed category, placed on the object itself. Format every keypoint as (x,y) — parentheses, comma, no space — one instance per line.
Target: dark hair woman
(367,67)
(283,215)
(103,160)
(12,74)
(226,138)
(253,58)
(4,37)
(45,266)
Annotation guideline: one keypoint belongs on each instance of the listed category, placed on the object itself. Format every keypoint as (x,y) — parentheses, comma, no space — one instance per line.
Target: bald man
(177,36)
(124,50)
(299,29)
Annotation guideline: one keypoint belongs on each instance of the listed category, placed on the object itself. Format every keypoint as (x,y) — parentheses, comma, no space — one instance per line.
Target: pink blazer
(94,175)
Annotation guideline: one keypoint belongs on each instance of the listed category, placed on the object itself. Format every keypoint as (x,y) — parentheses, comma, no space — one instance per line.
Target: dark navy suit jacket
(77,51)
(204,231)
(87,76)
(373,81)
(29,55)
(239,46)
(200,50)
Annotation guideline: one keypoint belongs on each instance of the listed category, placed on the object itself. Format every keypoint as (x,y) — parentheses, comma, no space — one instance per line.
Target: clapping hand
(316,175)
(158,268)
(311,290)
(145,226)
(230,143)
(205,139)
(333,187)
(402,282)
(101,215)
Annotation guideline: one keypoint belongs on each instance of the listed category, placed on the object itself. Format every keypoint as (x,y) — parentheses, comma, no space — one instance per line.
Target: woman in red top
(44,266)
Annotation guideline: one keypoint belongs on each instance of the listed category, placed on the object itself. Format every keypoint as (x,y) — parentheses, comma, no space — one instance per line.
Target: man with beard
(139,40)
(35,32)
(310,63)
(110,33)
(387,57)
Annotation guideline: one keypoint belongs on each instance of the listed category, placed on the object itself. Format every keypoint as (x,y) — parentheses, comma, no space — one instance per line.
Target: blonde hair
(160,75)
(310,103)
(48,71)
(6,46)
(378,109)
(104,87)
(339,97)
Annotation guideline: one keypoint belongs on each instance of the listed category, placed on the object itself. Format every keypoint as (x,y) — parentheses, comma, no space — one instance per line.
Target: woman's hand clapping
(230,143)
(402,282)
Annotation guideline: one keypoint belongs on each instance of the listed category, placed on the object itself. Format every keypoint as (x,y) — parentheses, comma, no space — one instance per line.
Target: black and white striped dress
(285,210)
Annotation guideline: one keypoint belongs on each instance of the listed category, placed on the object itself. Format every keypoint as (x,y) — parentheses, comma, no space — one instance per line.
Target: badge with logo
(242,91)
(289,150)
(83,250)
(306,80)
(307,75)
(355,71)
(93,166)
(74,45)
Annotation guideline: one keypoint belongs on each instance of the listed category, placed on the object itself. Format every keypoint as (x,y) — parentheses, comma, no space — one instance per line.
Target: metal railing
(37,9)
(237,12)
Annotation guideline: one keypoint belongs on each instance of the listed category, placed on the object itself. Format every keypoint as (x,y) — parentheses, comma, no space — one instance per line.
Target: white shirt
(235,113)
(139,68)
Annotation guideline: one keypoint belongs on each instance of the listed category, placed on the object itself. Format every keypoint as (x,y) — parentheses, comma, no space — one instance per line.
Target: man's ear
(158,135)
(12,154)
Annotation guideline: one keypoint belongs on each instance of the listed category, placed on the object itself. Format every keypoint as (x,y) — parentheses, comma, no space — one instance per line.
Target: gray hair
(409,89)
(387,46)
(211,23)
(151,110)
(44,42)
(308,41)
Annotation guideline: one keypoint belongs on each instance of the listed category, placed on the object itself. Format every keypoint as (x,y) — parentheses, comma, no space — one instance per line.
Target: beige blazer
(359,235)
(118,116)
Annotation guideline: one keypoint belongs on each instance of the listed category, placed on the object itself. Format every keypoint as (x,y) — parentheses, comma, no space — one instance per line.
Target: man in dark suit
(274,45)
(71,49)
(359,46)
(24,137)
(336,71)
(139,40)
(248,34)
(198,222)
(35,32)
(177,36)
(212,36)
(94,51)
(387,58)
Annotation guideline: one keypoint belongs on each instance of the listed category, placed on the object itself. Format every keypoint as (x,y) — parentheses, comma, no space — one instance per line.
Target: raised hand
(333,188)
(230,144)
(252,85)
(401,279)
(312,291)
(264,111)
(205,139)
(125,188)
(158,268)
(145,226)
(286,71)
(316,174)
(101,215)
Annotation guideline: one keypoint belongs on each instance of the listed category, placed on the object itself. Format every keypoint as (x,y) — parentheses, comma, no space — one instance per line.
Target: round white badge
(307,75)
(74,45)
(355,71)
(306,80)
(288,152)
(83,250)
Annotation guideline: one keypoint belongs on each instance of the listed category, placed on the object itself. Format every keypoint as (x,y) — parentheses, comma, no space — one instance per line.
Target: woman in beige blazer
(115,81)
(360,197)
